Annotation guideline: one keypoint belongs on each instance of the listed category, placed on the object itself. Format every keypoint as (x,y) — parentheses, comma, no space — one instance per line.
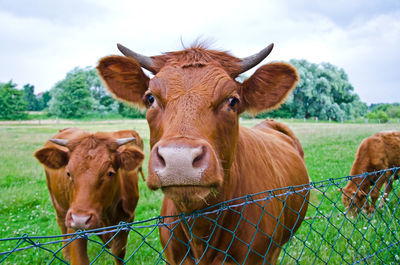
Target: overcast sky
(42,40)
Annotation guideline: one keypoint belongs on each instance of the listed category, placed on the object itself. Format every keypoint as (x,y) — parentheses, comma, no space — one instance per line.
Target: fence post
(57,121)
(39,122)
(316,119)
(330,119)
(366,120)
(304,119)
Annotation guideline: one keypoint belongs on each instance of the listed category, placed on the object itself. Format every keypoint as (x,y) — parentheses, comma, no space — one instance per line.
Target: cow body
(200,155)
(282,131)
(92,183)
(377,152)
(264,161)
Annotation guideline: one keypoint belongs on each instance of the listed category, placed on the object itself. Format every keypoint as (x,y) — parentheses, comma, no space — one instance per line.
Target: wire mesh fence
(361,231)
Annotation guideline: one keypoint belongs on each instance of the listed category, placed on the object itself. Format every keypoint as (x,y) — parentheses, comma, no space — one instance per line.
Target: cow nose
(187,155)
(80,221)
(180,165)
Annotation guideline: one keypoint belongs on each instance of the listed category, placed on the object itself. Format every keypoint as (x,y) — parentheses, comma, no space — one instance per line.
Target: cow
(377,152)
(201,156)
(92,179)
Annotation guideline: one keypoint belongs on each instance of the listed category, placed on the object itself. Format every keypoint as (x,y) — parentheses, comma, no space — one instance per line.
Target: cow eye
(232,102)
(110,173)
(69,176)
(150,99)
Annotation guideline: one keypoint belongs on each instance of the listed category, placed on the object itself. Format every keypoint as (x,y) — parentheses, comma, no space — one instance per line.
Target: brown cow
(93,182)
(201,156)
(377,152)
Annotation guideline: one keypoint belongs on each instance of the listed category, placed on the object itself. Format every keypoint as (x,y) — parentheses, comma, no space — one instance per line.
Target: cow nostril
(160,158)
(89,219)
(197,161)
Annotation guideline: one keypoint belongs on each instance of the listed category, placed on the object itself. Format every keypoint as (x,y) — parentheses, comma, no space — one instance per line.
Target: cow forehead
(173,82)
(94,158)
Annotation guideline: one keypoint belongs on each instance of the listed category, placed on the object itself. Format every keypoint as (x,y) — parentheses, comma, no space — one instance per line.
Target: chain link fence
(329,234)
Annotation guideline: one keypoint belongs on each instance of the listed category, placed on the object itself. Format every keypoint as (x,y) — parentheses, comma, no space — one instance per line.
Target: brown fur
(192,91)
(89,189)
(377,152)
(282,128)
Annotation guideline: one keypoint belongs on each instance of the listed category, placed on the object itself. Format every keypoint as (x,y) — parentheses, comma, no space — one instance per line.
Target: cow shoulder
(268,160)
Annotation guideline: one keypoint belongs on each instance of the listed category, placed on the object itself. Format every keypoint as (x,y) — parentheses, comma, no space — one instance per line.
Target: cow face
(193,103)
(91,168)
(354,200)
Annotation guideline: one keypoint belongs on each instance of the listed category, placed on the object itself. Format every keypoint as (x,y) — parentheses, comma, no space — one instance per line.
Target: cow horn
(144,61)
(122,141)
(251,61)
(62,142)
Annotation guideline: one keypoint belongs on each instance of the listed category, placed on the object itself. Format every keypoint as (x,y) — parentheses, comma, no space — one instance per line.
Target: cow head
(354,199)
(91,166)
(193,104)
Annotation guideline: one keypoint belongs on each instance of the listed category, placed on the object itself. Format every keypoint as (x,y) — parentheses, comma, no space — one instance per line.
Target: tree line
(323,92)
(80,94)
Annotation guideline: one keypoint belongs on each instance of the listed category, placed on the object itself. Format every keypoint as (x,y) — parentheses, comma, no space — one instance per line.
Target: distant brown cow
(201,156)
(377,152)
(93,183)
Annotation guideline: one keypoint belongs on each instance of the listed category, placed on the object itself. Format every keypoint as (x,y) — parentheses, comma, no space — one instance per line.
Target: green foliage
(30,98)
(378,115)
(12,104)
(43,100)
(384,112)
(71,97)
(90,97)
(129,111)
(323,91)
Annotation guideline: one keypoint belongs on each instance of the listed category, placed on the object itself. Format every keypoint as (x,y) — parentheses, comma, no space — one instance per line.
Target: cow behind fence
(328,234)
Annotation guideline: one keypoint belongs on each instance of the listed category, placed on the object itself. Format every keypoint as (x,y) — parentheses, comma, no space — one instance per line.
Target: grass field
(25,206)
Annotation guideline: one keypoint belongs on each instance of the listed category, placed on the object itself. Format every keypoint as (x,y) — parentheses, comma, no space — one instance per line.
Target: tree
(71,98)
(129,111)
(12,104)
(323,91)
(30,98)
(384,112)
(43,100)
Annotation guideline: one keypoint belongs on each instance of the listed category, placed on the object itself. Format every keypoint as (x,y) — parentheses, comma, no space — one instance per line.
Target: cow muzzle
(182,163)
(81,220)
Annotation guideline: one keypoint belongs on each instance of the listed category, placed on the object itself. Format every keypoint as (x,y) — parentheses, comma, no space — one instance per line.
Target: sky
(42,40)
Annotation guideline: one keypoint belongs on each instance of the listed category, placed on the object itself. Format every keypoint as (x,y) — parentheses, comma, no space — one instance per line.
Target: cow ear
(130,158)
(124,78)
(268,87)
(52,157)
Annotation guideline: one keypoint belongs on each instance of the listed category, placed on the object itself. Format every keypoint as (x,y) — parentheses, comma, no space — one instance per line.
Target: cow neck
(203,227)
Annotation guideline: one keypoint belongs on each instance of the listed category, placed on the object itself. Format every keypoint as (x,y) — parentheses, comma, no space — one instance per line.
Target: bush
(131,112)
(12,104)
(378,115)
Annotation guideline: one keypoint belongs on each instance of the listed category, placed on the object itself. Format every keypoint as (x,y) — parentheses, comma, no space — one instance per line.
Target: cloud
(46,40)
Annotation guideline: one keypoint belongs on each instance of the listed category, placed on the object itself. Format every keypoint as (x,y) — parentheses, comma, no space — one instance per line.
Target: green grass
(25,206)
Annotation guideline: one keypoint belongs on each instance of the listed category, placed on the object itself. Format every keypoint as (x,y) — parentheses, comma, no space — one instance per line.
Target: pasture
(25,205)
